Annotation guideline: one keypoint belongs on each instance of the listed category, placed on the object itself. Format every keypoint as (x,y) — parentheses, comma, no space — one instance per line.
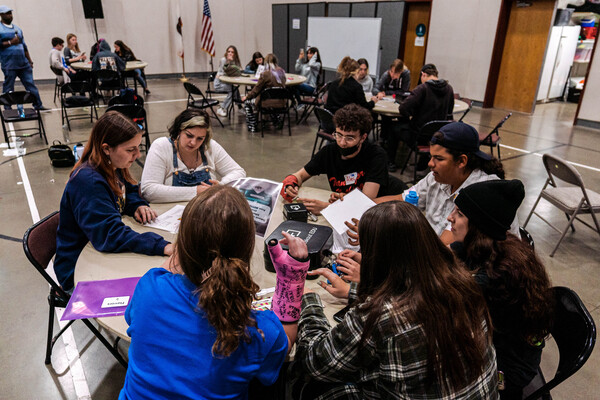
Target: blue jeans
(140,79)
(26,77)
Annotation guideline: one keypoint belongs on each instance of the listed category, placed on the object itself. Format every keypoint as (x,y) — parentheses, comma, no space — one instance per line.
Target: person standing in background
(15,58)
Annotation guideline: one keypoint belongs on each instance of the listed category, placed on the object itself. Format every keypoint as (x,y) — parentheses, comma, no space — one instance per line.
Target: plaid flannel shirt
(390,365)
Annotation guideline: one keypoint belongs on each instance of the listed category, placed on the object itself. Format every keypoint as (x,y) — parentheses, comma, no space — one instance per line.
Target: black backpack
(61,155)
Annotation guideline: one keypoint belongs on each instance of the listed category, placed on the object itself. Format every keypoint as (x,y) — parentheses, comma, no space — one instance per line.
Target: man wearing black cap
(456,162)
(15,58)
(432,100)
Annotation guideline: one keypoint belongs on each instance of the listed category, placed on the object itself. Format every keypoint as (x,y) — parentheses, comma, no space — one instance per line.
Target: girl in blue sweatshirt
(100,189)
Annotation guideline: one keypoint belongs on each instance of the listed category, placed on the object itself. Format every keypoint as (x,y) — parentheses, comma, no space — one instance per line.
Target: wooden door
(523,55)
(414,56)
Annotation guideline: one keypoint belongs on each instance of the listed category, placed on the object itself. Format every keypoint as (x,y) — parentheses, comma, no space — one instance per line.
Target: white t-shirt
(157,177)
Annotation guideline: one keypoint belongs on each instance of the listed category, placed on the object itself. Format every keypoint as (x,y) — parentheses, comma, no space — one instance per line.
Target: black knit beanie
(491,206)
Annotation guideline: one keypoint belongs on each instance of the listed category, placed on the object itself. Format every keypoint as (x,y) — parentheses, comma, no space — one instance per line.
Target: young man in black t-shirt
(352,162)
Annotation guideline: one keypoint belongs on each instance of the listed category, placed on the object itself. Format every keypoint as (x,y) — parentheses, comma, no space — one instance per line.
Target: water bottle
(77,151)
(413,198)
(20,110)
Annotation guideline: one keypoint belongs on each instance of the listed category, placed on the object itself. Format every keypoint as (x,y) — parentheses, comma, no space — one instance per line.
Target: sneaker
(221,112)
(392,167)
(146,91)
(300,107)
(242,111)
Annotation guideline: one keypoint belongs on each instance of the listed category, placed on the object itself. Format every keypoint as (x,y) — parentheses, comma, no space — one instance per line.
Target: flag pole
(183,78)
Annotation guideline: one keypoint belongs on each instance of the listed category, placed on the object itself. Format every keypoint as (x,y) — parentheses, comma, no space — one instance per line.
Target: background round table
(291,80)
(129,66)
(388,107)
(93,265)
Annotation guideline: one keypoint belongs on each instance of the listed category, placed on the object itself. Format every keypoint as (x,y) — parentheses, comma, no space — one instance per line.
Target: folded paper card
(96,299)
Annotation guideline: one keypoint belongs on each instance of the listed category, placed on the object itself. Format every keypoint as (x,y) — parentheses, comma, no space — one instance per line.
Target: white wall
(590,104)
(461,40)
(146,26)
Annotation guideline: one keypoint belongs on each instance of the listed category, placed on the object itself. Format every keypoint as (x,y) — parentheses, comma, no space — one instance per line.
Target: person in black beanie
(513,280)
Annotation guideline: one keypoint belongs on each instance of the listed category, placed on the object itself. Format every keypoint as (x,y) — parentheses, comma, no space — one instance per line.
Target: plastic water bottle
(77,151)
(20,110)
(413,198)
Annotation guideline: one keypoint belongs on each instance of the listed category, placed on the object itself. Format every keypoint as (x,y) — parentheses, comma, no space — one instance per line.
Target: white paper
(168,221)
(340,243)
(296,23)
(354,205)
(420,41)
(120,301)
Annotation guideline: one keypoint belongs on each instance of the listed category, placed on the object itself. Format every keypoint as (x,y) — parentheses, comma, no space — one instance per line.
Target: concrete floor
(23,292)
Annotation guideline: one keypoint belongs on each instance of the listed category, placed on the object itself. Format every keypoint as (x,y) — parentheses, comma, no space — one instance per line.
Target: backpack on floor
(61,155)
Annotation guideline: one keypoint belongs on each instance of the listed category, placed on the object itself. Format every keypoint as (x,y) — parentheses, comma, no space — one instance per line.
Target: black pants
(396,132)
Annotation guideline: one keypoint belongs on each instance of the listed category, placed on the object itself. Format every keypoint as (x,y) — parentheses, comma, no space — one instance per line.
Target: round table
(94,265)
(129,66)
(291,80)
(388,107)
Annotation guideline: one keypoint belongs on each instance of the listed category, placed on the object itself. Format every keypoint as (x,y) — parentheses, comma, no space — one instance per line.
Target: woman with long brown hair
(71,51)
(418,327)
(193,332)
(513,280)
(229,64)
(345,89)
(126,54)
(100,189)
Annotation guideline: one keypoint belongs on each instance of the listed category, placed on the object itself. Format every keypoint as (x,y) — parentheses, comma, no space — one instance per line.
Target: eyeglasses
(347,139)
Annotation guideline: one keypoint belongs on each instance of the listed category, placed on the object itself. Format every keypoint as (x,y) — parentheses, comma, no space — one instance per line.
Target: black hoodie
(430,101)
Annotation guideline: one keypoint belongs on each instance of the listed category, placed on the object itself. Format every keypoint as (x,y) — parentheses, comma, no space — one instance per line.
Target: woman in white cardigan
(187,162)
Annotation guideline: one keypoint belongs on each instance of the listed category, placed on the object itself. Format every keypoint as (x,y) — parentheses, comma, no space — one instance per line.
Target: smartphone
(339,316)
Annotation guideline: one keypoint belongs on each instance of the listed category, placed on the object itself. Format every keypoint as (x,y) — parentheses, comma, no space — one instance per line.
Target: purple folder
(89,297)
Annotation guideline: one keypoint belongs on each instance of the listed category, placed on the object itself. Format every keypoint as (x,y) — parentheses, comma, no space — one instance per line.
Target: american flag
(207,41)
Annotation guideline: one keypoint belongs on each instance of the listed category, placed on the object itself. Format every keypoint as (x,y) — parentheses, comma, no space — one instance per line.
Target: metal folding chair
(572,200)
(29,114)
(492,139)
(201,102)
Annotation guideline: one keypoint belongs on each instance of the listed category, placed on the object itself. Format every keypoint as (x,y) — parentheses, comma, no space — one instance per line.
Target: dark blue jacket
(89,213)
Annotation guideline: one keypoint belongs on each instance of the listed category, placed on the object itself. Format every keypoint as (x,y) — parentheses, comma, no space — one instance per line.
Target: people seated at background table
(57,64)
(272,76)
(227,66)
(345,89)
(394,81)
(349,163)
(513,280)
(456,162)
(71,51)
(418,326)
(252,66)
(95,48)
(187,162)
(432,100)
(310,68)
(193,332)
(126,54)
(106,59)
(362,76)
(100,189)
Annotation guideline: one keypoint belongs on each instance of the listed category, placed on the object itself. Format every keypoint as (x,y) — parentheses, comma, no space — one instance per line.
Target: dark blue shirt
(89,212)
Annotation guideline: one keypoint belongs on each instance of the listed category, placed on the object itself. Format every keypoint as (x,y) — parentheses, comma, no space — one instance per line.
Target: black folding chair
(266,107)
(76,95)
(107,80)
(313,101)
(326,128)
(201,102)
(574,331)
(29,114)
(39,244)
(138,115)
(492,139)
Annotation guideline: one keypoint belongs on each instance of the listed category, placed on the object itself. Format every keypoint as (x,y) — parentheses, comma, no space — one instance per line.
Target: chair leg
(534,206)
(407,160)
(42,129)
(564,232)
(289,123)
(105,342)
(216,116)
(50,330)
(572,226)
(315,146)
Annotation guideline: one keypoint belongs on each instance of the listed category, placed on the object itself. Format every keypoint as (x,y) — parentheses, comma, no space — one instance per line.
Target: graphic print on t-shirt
(350,181)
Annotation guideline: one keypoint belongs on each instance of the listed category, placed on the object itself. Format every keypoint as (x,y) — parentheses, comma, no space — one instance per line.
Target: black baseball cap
(460,137)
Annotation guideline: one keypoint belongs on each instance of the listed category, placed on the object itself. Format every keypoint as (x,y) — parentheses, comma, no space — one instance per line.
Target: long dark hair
(404,262)
(253,64)
(490,167)
(112,128)
(214,247)
(124,49)
(517,278)
(314,50)
(236,55)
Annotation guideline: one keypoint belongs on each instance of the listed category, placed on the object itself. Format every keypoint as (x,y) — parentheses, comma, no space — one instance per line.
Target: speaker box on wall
(92,9)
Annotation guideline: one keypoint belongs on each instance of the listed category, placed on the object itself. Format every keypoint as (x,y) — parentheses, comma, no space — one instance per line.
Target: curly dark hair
(353,117)
(517,280)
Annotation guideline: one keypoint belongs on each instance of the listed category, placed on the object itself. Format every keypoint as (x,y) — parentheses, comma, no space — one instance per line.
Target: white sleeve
(421,189)
(226,169)
(158,166)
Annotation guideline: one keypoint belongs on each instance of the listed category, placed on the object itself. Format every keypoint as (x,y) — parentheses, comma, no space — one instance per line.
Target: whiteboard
(337,38)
